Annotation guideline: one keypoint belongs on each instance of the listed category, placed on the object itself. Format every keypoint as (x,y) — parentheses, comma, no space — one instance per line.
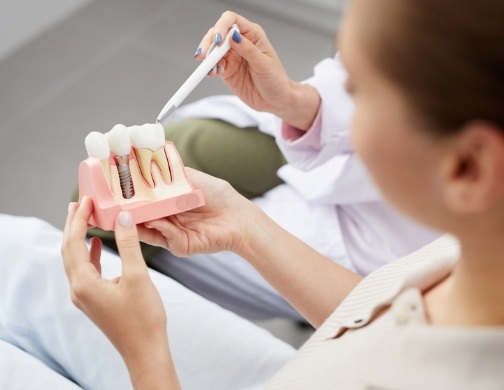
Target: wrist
(256,234)
(302,106)
(152,368)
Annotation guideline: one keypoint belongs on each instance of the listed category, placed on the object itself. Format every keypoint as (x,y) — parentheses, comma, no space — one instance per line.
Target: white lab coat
(323,170)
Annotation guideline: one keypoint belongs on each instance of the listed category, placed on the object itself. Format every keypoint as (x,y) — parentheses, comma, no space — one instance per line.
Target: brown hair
(447,55)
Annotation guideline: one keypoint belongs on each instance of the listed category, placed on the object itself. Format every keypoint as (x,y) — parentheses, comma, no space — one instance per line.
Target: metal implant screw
(125,177)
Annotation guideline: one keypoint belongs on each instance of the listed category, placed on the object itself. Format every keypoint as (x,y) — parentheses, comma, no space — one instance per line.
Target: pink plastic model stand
(99,180)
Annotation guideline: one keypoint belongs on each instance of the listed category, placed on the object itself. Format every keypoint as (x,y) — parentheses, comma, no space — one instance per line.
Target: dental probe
(214,55)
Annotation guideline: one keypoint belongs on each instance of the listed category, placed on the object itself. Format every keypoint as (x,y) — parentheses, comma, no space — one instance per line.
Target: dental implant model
(120,144)
(135,169)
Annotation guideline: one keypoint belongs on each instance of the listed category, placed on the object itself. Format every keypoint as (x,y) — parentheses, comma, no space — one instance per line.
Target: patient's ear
(473,172)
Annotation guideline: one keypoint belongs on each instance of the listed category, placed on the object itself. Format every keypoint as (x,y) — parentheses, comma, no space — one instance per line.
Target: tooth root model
(97,147)
(120,144)
(149,146)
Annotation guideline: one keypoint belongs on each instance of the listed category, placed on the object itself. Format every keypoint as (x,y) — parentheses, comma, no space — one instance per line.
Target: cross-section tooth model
(135,169)
(148,143)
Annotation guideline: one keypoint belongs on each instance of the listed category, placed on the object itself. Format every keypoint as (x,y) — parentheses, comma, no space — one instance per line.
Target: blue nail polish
(218,68)
(208,74)
(237,36)
(198,52)
(218,39)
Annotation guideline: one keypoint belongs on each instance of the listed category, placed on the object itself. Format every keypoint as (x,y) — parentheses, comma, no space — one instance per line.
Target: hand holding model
(127,309)
(253,71)
(220,225)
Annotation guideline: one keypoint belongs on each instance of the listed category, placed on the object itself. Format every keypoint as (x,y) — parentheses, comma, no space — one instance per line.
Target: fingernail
(198,52)
(218,68)
(218,38)
(125,219)
(236,36)
(208,74)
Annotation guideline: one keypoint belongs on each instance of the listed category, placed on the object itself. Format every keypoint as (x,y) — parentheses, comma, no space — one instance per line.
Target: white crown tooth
(119,140)
(97,145)
(132,130)
(147,136)
(159,134)
(136,136)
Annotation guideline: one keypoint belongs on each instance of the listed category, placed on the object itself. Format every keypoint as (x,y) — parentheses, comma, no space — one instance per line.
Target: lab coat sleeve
(322,165)
(330,133)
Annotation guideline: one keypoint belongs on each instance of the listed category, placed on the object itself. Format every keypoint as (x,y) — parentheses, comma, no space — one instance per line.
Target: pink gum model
(167,197)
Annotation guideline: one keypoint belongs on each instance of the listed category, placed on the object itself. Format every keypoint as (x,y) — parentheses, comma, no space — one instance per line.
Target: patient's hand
(127,309)
(220,225)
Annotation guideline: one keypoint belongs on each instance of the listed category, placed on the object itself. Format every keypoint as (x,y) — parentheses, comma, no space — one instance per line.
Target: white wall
(23,20)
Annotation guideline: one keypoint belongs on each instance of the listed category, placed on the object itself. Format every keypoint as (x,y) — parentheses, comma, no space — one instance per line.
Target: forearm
(302,106)
(152,368)
(310,282)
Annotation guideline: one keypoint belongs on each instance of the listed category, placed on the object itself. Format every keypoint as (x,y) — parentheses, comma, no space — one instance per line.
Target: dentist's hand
(252,71)
(222,224)
(127,309)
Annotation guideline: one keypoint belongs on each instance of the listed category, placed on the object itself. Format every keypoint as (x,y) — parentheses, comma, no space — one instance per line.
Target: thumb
(128,244)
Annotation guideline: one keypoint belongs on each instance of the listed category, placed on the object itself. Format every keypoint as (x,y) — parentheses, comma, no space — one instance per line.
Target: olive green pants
(245,157)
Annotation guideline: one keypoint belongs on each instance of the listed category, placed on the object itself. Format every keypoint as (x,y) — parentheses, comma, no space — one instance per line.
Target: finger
(225,22)
(215,70)
(128,244)
(218,33)
(253,55)
(168,229)
(74,249)
(79,223)
(151,236)
(95,253)
(161,225)
(72,208)
(205,43)
(193,175)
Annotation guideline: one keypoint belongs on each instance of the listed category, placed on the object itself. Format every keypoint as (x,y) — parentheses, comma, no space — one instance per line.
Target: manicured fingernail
(218,38)
(198,52)
(236,36)
(125,219)
(211,70)
(218,68)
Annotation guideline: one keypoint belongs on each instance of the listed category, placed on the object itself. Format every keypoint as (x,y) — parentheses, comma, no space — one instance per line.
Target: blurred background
(69,67)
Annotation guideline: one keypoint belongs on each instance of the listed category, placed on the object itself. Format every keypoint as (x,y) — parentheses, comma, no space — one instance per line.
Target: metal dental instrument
(214,55)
